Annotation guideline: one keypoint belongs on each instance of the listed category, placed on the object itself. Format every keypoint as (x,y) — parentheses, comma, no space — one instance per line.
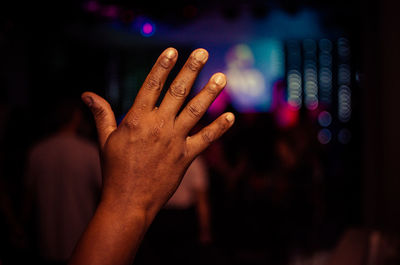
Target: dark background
(58,50)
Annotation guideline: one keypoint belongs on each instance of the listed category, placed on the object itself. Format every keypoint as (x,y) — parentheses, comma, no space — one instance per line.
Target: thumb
(103,115)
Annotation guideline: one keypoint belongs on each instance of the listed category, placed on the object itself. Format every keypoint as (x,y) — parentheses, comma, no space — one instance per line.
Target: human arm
(146,156)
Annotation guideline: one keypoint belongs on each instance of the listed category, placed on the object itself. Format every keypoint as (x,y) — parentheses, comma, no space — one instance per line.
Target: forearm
(113,236)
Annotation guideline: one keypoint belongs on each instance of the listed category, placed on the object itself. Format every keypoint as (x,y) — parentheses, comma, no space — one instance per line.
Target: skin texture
(146,156)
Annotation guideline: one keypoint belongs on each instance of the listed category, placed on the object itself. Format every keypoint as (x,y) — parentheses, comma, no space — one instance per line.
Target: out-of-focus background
(309,174)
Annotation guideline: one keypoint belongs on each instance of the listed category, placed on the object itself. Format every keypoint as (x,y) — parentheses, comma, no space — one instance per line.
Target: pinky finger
(201,140)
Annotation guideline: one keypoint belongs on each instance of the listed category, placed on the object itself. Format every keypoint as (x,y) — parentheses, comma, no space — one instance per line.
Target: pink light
(219,104)
(147,28)
(286,115)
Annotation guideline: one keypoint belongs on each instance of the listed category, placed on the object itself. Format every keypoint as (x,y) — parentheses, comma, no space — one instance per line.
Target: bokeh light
(344,74)
(344,103)
(324,136)
(147,29)
(343,48)
(310,74)
(324,119)
(294,88)
(294,78)
(325,71)
(325,85)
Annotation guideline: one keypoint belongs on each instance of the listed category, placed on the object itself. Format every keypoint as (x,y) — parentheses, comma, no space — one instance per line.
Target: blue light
(324,136)
(324,119)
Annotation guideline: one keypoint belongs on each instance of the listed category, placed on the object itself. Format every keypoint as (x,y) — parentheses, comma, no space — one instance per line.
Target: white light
(310,85)
(344,74)
(294,88)
(343,48)
(344,103)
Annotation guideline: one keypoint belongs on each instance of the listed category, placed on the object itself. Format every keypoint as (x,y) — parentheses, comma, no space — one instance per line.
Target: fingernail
(88,101)
(219,79)
(201,55)
(170,53)
(230,117)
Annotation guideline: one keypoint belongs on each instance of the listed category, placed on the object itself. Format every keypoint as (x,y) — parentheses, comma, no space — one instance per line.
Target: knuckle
(152,83)
(223,126)
(195,110)
(212,89)
(177,90)
(207,136)
(165,62)
(156,129)
(143,107)
(99,113)
(194,64)
(132,123)
(155,132)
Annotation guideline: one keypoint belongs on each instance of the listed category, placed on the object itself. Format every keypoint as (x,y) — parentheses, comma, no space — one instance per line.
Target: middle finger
(182,84)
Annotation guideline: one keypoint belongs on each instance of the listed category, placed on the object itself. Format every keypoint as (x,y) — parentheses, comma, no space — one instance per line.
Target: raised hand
(145,157)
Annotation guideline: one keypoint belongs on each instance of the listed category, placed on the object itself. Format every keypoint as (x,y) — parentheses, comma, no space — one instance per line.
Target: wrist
(127,208)
(113,235)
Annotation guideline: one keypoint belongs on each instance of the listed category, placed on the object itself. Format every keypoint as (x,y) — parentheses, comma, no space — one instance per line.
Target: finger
(196,108)
(154,82)
(200,141)
(182,84)
(103,115)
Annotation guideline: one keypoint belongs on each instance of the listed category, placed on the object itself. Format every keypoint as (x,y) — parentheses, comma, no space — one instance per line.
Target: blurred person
(193,193)
(183,226)
(63,181)
(297,186)
(146,156)
(226,174)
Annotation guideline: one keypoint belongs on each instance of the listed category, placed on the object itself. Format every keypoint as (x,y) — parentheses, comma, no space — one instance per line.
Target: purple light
(147,29)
